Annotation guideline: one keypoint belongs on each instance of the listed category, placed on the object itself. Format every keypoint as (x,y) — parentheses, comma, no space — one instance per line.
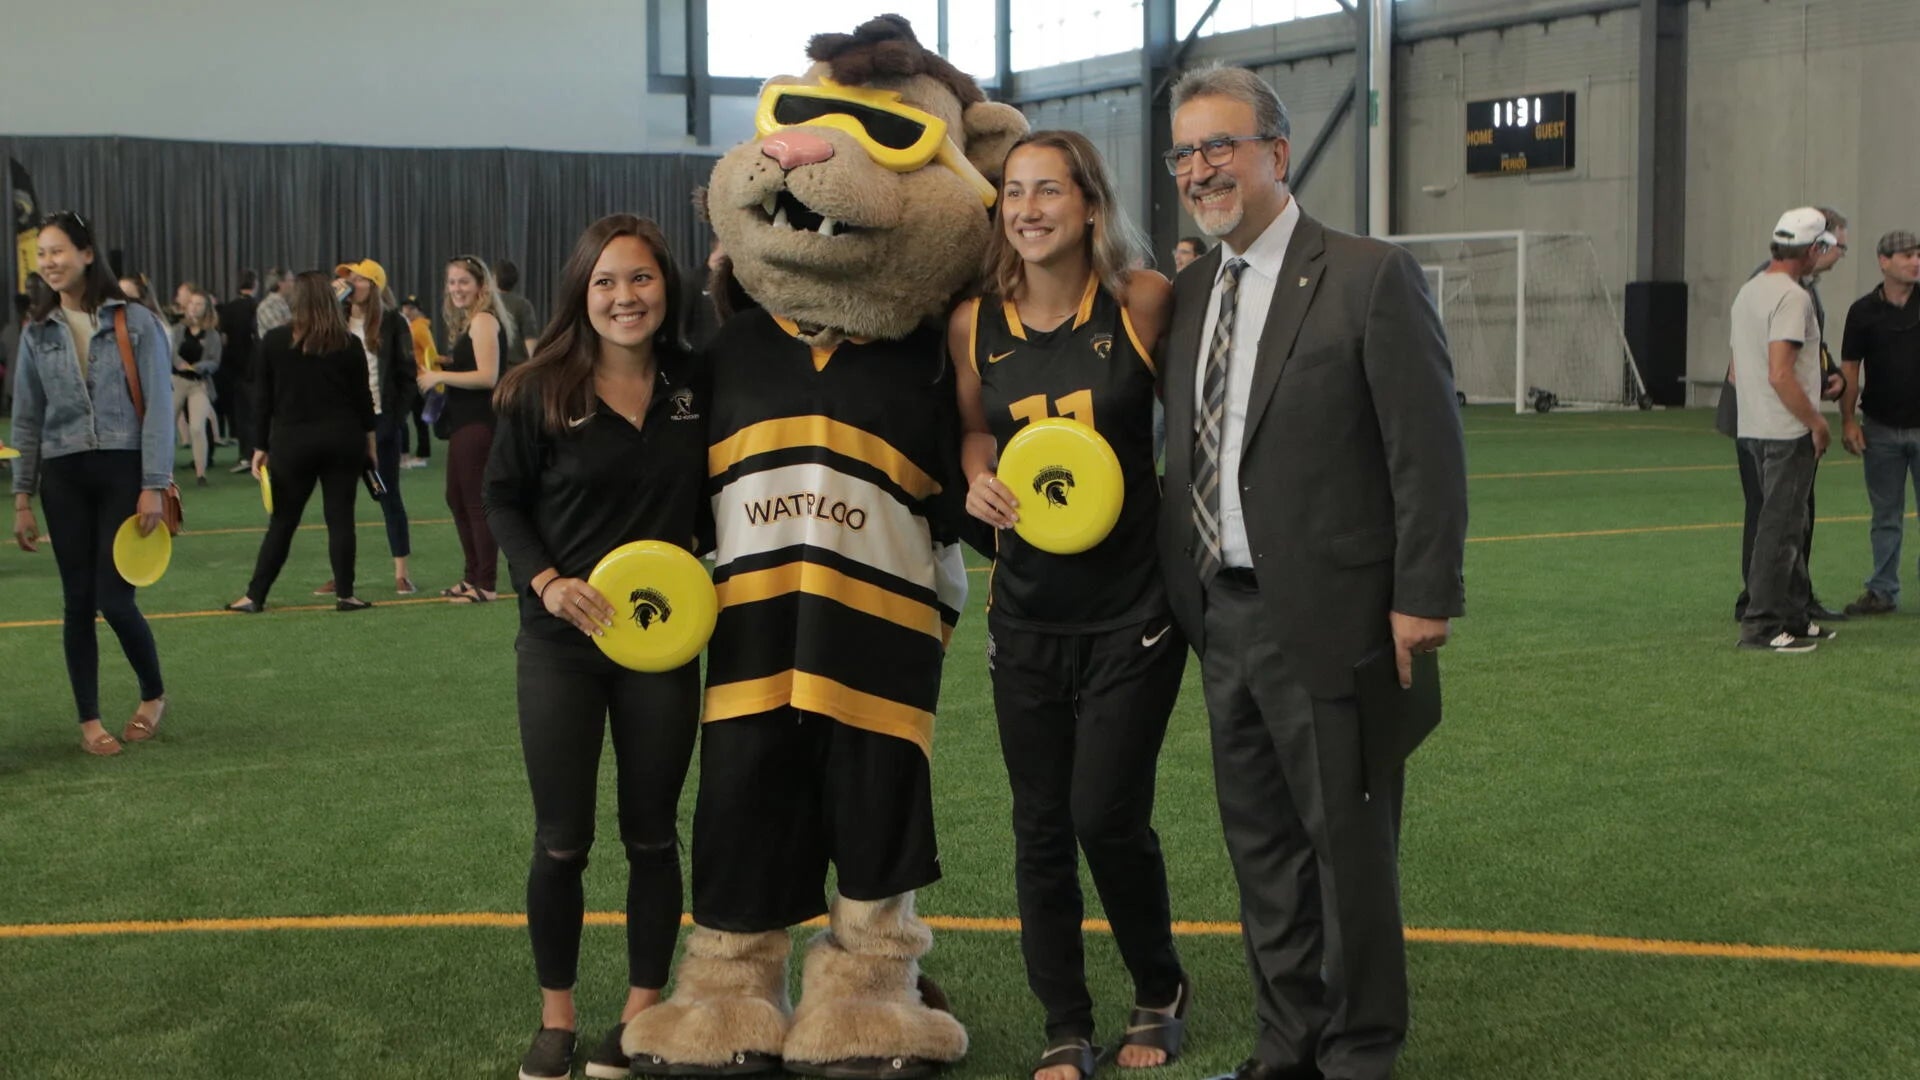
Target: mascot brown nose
(793,149)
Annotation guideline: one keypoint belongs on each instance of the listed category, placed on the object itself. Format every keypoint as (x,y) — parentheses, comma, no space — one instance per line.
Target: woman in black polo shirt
(599,442)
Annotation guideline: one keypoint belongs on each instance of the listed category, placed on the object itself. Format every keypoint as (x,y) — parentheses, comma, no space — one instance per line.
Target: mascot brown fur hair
(853,224)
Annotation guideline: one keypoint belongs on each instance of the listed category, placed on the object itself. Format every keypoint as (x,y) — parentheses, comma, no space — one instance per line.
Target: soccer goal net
(1529,320)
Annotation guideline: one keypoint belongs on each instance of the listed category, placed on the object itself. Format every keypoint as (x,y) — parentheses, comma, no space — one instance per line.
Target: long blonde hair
(212,319)
(1114,244)
(488,301)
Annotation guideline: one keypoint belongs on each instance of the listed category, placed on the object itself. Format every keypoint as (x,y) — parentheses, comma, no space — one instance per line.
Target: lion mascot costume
(852,221)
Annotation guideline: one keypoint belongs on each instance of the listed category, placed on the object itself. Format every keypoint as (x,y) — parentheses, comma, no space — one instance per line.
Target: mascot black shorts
(784,793)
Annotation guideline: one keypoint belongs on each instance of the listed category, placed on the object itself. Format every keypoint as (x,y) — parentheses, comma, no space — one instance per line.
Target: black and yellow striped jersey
(832,475)
(1091,368)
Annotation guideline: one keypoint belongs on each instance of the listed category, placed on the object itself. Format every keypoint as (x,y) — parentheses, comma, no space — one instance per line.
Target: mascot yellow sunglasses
(895,135)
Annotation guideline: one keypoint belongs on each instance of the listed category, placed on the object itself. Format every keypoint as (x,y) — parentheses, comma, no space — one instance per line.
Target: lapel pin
(1303,283)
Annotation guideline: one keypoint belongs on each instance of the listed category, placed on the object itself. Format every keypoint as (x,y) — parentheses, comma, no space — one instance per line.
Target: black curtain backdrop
(202,212)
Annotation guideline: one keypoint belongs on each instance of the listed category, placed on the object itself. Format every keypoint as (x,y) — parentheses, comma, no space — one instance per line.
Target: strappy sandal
(101,745)
(1074,1053)
(457,592)
(474,597)
(246,606)
(1159,1030)
(143,727)
(352,603)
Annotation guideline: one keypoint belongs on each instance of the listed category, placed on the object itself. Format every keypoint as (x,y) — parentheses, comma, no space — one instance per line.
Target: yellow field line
(516,920)
(1585,429)
(307,528)
(1584,534)
(25,623)
(1599,472)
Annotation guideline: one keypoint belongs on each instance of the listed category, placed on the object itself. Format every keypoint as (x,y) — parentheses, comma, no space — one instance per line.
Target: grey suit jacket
(1353,476)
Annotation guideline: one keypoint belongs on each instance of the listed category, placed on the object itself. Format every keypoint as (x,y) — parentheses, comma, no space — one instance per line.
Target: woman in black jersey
(600,442)
(1084,660)
(480,331)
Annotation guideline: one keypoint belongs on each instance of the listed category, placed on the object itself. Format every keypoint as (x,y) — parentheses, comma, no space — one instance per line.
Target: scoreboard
(1523,134)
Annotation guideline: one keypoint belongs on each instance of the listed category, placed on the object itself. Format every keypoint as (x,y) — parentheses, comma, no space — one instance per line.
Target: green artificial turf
(1610,765)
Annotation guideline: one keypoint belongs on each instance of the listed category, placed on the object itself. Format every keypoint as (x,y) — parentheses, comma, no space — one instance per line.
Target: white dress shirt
(1254,297)
(358,326)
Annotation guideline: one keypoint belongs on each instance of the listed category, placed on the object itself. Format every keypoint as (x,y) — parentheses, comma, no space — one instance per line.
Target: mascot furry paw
(852,221)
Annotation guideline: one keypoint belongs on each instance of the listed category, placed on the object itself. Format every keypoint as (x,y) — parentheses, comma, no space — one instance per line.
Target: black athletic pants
(569,693)
(87,496)
(332,457)
(1081,719)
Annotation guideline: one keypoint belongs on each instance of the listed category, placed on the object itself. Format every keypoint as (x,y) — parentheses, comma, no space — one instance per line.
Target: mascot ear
(992,129)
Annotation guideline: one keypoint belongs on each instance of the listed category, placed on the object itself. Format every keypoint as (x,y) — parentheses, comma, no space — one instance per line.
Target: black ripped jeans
(569,693)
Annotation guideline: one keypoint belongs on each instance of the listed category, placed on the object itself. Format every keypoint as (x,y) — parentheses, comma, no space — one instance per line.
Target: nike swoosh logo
(582,420)
(1149,642)
(994,358)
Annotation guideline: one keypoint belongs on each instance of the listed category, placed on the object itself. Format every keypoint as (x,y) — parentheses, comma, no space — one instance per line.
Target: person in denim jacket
(92,460)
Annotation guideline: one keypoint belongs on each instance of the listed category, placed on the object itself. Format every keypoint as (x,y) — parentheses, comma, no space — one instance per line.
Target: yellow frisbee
(141,559)
(664,605)
(266,490)
(8,453)
(1068,482)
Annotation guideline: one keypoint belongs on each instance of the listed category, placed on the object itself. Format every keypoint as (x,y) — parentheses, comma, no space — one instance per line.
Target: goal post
(1530,319)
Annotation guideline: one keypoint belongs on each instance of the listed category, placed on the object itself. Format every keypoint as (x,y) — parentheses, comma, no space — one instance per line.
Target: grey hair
(1835,219)
(1239,84)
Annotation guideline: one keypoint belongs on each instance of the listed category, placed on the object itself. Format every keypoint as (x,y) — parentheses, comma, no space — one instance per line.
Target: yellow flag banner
(26,223)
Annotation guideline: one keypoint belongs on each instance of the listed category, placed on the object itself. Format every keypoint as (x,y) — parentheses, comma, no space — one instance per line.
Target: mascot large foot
(865,1012)
(729,1011)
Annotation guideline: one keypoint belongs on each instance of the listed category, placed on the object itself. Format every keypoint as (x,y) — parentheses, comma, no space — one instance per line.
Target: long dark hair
(318,326)
(98,284)
(559,374)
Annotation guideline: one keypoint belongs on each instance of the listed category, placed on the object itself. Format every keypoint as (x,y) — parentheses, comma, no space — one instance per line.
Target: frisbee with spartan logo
(1068,482)
(663,601)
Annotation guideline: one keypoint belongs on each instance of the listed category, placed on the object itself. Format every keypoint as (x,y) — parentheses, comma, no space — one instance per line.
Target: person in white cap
(1776,365)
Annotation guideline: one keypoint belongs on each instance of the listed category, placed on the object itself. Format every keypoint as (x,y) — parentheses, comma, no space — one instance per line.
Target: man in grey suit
(1311,538)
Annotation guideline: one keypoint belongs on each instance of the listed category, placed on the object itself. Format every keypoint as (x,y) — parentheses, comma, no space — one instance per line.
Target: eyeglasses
(1217,152)
(895,135)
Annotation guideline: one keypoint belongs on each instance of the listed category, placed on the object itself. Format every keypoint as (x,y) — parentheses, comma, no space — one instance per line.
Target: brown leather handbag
(170,511)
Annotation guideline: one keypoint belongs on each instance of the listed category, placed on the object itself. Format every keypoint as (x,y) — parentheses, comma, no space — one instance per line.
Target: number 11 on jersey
(1076,406)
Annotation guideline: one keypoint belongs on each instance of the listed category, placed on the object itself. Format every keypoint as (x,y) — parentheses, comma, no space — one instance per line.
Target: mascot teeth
(827,226)
(772,199)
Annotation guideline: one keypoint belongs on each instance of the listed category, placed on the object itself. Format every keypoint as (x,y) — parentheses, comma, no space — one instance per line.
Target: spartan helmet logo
(1054,482)
(1103,345)
(648,606)
(682,400)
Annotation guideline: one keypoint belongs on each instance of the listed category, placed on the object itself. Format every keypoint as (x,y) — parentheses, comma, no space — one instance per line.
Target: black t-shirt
(1886,341)
(470,406)
(566,501)
(1091,368)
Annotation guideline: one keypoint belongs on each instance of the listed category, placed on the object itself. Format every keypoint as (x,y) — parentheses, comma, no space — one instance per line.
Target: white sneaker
(1782,642)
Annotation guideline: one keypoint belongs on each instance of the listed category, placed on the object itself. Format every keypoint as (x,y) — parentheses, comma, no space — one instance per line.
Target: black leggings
(388,433)
(86,497)
(569,693)
(333,458)
(1081,719)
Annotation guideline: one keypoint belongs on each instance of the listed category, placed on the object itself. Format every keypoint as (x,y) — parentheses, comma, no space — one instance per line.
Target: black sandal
(246,606)
(1075,1053)
(352,603)
(1159,1030)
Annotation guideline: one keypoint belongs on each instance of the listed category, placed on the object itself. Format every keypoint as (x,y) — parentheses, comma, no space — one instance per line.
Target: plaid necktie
(1208,423)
